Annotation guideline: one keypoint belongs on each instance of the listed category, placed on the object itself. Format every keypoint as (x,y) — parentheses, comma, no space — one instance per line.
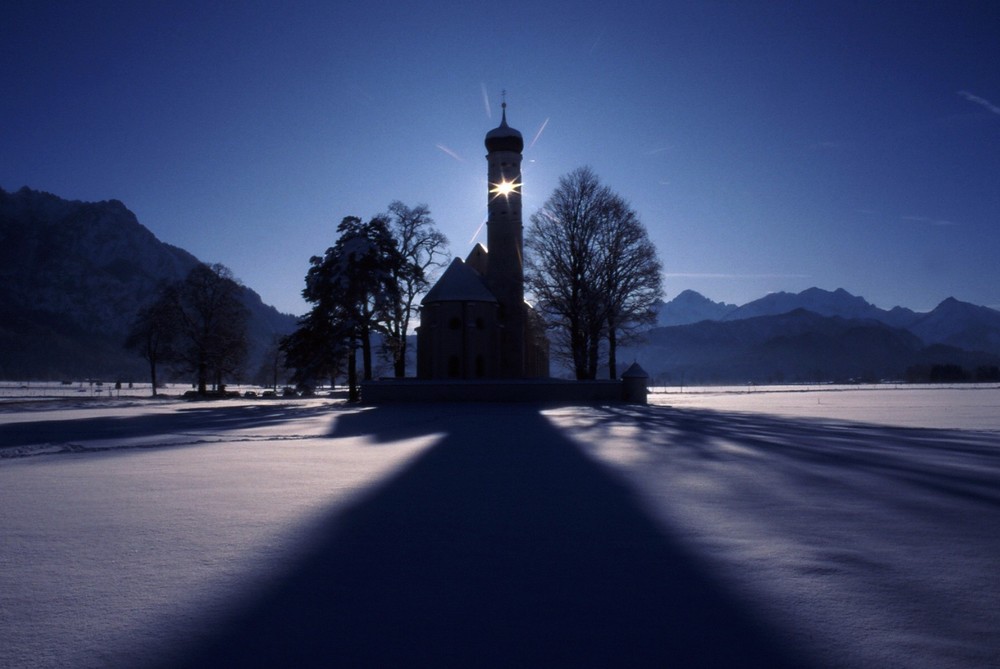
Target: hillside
(798,346)
(72,276)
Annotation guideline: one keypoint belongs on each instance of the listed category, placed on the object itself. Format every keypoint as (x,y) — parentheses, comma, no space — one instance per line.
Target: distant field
(20,390)
(960,406)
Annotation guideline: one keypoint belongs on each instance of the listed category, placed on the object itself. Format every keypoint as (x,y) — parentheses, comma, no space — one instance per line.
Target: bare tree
(212,323)
(424,249)
(153,332)
(591,268)
(273,363)
(630,276)
(561,264)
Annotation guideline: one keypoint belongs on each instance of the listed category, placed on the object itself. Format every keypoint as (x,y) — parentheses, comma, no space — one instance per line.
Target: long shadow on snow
(962,464)
(501,545)
(188,419)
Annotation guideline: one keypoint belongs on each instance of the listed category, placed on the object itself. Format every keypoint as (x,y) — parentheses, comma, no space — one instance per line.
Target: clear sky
(766,146)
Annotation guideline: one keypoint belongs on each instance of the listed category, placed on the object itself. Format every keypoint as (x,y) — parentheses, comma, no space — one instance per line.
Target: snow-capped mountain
(952,322)
(825,303)
(960,324)
(798,346)
(815,335)
(691,307)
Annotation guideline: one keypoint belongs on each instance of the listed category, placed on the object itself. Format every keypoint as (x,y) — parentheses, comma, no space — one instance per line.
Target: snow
(820,527)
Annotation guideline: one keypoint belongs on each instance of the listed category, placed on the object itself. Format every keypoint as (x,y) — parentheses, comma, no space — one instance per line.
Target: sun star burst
(504,188)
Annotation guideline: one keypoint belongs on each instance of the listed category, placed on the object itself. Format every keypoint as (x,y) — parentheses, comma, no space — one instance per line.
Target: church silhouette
(474,322)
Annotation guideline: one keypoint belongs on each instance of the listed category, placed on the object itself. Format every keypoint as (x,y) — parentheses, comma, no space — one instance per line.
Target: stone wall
(384,391)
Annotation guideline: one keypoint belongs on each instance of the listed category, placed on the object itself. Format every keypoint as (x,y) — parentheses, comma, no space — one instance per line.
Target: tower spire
(504,235)
(503,107)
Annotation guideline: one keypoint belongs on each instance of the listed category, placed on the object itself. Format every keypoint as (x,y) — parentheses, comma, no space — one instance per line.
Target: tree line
(367,283)
(589,265)
(593,270)
(198,324)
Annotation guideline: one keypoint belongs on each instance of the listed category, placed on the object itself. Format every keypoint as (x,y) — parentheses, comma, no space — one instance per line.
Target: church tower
(474,322)
(504,241)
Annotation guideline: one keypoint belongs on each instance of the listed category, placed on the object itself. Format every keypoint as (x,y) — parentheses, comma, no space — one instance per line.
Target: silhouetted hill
(799,346)
(955,323)
(72,276)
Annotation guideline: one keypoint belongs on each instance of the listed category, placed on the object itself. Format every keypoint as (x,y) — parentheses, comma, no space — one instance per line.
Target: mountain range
(72,277)
(74,274)
(815,335)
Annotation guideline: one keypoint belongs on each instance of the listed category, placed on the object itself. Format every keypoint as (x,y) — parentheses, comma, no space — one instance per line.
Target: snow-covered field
(800,527)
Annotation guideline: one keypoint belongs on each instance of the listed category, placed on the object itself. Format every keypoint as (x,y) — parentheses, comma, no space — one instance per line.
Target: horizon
(766,149)
(666,298)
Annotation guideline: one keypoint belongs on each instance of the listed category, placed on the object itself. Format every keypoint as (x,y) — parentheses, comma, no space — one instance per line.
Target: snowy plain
(715,527)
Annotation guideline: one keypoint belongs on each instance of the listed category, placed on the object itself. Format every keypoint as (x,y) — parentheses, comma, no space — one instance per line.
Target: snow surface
(831,527)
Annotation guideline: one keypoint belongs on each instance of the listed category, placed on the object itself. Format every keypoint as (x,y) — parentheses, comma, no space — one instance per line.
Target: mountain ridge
(951,322)
(818,335)
(73,274)
(798,346)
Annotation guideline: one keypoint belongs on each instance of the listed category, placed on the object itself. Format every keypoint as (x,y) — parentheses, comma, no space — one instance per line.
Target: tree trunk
(399,364)
(366,353)
(579,345)
(202,378)
(403,324)
(593,354)
(612,349)
(152,372)
(352,370)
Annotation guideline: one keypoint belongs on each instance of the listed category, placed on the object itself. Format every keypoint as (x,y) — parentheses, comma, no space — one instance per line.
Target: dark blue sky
(766,146)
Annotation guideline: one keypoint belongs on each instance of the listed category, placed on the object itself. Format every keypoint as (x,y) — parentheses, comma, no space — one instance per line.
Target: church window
(455,323)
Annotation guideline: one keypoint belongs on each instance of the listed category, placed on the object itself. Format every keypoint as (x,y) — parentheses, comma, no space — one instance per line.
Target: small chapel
(474,322)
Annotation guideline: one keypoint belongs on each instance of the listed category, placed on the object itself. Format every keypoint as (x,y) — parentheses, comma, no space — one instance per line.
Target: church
(474,322)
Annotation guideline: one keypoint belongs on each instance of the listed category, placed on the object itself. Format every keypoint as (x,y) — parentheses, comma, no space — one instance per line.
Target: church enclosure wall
(386,391)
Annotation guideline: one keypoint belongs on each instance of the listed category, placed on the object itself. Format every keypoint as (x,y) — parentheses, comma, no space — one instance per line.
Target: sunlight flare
(539,133)
(504,188)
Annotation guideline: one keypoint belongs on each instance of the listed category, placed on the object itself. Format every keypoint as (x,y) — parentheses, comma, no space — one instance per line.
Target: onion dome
(504,137)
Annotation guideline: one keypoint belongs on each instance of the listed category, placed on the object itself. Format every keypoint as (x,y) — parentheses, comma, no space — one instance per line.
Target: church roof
(504,137)
(459,283)
(478,259)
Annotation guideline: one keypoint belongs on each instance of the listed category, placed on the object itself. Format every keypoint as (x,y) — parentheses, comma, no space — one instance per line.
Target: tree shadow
(961,464)
(187,419)
(501,545)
